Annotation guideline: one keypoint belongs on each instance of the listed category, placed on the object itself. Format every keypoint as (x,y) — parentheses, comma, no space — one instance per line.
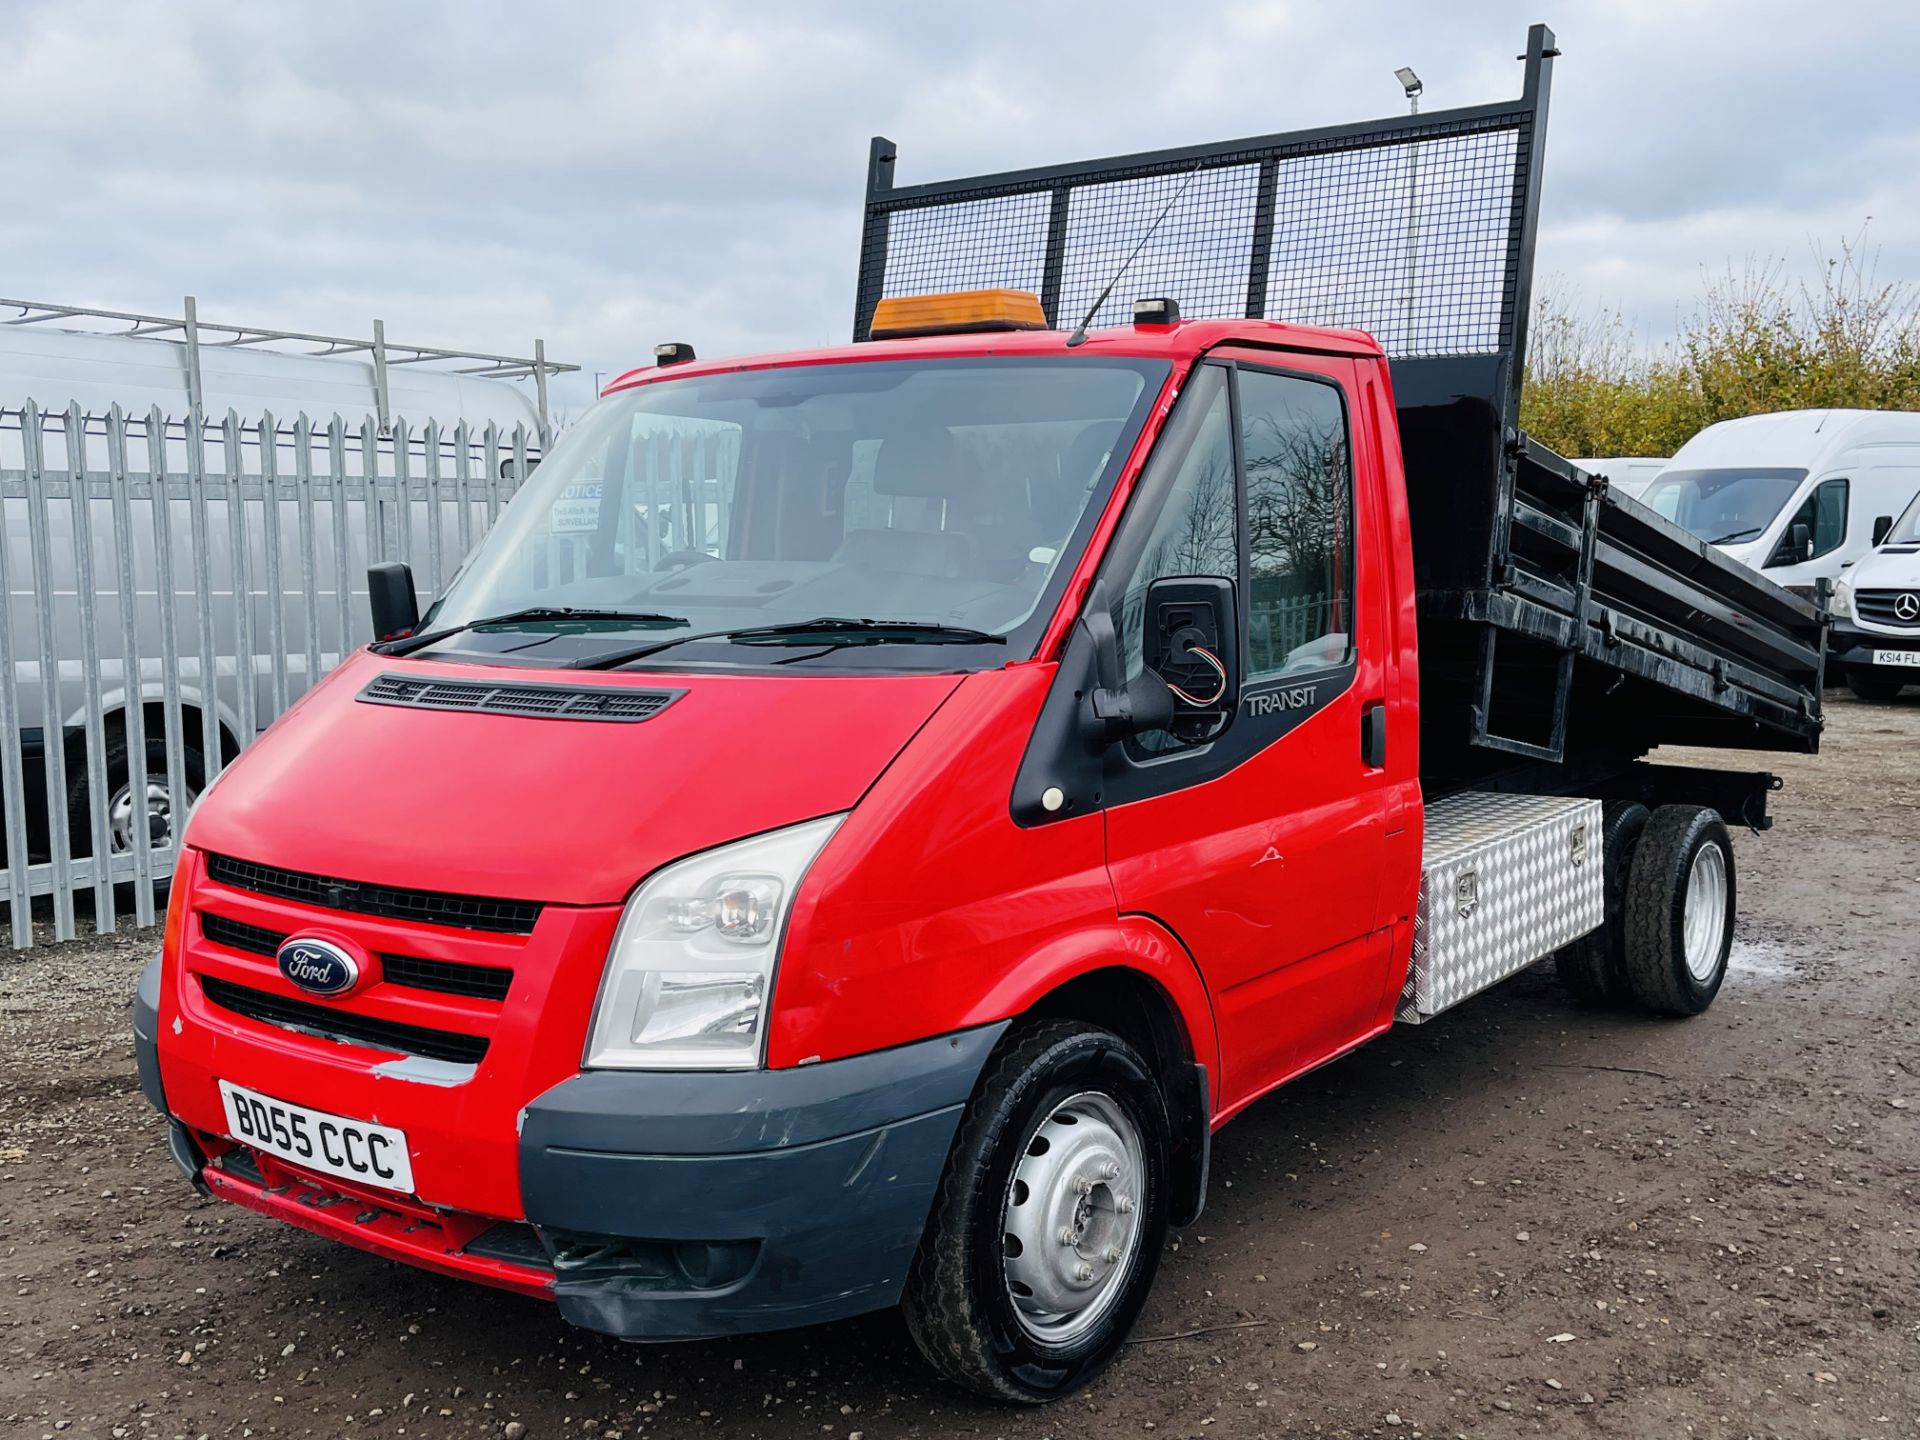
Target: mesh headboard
(1418,229)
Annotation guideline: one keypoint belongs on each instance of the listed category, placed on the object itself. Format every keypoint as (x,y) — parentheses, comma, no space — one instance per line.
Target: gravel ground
(1521,1219)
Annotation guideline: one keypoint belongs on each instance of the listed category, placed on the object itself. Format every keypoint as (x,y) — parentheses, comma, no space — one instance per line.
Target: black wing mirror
(1882,527)
(1190,682)
(390,595)
(1192,642)
(1802,542)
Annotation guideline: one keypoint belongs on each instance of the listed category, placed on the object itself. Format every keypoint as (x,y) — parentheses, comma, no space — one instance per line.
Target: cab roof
(1185,340)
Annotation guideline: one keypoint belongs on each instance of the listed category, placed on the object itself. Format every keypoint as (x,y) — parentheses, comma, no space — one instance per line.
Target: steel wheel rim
(158,814)
(1070,1225)
(1704,922)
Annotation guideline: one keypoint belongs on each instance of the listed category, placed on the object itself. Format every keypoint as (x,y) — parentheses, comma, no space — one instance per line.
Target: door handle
(1373,735)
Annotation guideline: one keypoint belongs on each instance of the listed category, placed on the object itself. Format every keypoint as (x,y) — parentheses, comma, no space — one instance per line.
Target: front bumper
(662,1206)
(146,1036)
(781,1197)
(1851,645)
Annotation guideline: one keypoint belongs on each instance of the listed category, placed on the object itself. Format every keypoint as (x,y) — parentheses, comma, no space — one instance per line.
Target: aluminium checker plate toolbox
(1505,880)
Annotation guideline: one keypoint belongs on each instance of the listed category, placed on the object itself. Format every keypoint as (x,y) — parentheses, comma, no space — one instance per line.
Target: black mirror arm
(1115,711)
(1144,703)
(1097,619)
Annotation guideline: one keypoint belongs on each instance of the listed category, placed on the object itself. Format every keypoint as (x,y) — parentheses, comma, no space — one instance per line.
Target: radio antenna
(1079,335)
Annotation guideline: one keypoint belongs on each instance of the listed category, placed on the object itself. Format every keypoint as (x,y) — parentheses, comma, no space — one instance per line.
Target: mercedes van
(1798,494)
(1876,610)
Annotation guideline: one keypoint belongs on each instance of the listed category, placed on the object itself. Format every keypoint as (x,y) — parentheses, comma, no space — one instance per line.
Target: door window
(1293,445)
(1194,533)
(1294,487)
(1824,514)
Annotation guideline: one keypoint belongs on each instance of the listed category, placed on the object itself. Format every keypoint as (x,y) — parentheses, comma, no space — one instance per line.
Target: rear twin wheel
(1594,967)
(1679,911)
(1669,912)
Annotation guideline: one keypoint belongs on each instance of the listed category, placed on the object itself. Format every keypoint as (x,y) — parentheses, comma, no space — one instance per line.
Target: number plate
(316,1140)
(1909,659)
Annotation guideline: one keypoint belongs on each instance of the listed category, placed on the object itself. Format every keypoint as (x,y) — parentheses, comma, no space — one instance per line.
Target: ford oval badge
(318,966)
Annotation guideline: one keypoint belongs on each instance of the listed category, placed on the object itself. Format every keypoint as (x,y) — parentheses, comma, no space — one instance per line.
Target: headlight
(1842,603)
(692,963)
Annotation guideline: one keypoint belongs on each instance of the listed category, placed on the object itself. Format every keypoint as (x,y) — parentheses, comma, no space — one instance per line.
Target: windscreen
(1723,507)
(946,493)
(1906,530)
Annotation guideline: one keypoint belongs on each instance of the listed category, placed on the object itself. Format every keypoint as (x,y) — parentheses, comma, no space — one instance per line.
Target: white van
(1876,615)
(1797,494)
(1629,474)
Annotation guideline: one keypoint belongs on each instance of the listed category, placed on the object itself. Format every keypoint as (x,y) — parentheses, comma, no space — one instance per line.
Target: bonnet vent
(550,702)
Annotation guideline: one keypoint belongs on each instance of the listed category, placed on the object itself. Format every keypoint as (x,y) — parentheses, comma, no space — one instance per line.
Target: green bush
(1753,344)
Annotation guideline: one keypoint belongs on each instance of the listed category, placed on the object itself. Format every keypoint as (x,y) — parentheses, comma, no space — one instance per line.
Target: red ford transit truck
(865,818)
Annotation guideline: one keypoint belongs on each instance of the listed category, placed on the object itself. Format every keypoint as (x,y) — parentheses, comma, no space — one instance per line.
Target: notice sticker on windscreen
(577,511)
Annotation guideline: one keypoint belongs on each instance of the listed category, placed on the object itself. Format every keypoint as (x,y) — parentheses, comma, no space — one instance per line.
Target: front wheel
(1051,1215)
(1880,686)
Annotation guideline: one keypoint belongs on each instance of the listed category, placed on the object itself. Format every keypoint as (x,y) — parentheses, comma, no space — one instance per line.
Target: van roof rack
(384,352)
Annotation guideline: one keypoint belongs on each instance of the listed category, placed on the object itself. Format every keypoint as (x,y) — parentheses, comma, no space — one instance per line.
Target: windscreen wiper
(808,632)
(1732,535)
(411,643)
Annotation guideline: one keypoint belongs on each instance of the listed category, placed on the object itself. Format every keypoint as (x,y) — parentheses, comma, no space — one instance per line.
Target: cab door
(1819,535)
(1261,844)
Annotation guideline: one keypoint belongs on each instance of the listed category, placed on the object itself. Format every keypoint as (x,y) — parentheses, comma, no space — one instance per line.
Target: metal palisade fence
(170,587)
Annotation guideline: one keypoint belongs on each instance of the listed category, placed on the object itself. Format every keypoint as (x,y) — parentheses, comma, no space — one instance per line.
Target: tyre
(1050,1218)
(1868,683)
(1679,911)
(126,820)
(1593,968)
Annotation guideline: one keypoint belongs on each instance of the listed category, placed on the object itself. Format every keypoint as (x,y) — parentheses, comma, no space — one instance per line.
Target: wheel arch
(153,708)
(1150,994)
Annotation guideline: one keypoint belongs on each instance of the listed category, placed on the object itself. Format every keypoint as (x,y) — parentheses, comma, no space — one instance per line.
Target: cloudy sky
(611,175)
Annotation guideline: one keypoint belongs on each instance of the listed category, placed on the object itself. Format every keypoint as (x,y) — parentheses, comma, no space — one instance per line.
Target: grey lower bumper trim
(146,1036)
(824,1173)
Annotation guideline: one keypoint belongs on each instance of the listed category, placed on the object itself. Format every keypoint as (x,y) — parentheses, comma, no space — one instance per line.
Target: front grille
(343,1026)
(433,907)
(238,935)
(482,982)
(540,701)
(1882,607)
(448,977)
